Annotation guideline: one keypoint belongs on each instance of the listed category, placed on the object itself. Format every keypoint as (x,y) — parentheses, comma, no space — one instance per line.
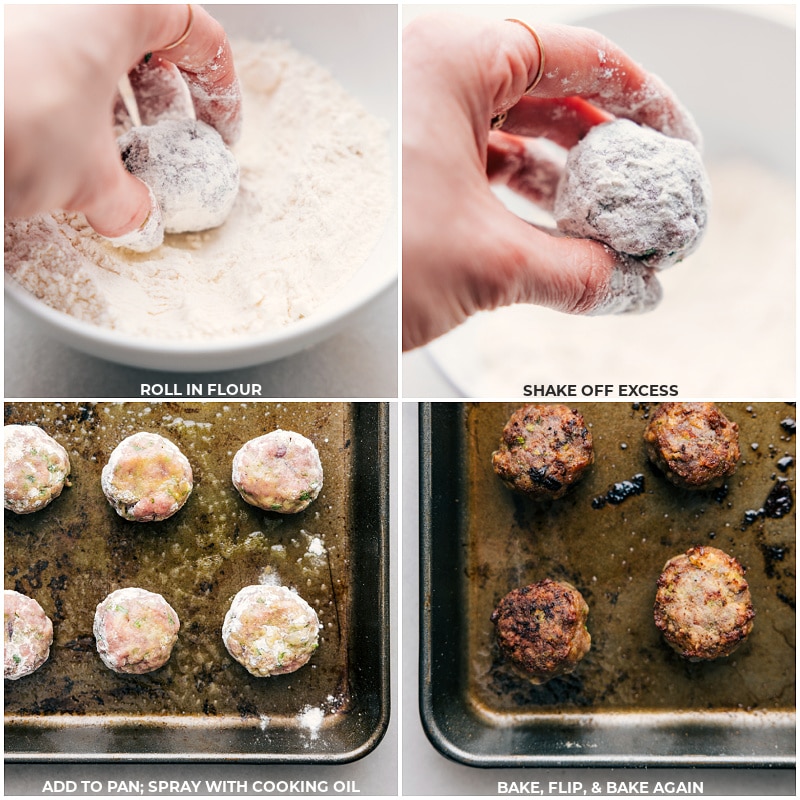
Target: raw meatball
(640,192)
(135,630)
(270,630)
(703,604)
(28,635)
(147,478)
(279,471)
(192,174)
(694,444)
(544,449)
(35,468)
(541,629)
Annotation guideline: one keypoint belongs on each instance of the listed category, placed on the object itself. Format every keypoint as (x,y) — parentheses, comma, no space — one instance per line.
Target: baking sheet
(203,704)
(632,700)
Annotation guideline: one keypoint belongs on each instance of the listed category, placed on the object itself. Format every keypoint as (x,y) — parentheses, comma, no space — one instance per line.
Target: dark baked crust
(694,444)
(703,605)
(541,629)
(544,449)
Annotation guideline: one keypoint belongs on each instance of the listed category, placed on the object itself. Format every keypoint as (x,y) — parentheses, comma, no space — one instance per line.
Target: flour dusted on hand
(642,193)
(191,172)
(314,198)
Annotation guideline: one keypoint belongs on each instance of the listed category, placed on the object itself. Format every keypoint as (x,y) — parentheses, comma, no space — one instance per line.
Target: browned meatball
(703,605)
(541,629)
(694,444)
(544,449)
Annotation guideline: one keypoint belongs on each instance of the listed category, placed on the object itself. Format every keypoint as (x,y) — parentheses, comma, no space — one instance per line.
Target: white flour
(725,325)
(314,198)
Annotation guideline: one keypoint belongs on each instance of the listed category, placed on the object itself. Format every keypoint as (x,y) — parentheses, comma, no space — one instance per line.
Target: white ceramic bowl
(358,45)
(719,332)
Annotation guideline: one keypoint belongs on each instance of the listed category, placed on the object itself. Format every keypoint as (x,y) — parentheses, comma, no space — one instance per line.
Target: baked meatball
(640,192)
(703,606)
(544,449)
(28,635)
(541,629)
(147,478)
(279,471)
(694,444)
(135,630)
(35,468)
(270,630)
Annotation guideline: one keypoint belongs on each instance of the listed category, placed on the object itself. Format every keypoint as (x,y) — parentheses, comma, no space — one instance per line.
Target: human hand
(62,70)
(463,251)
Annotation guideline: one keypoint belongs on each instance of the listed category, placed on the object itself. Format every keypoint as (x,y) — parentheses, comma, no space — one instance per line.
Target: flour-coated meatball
(640,192)
(188,167)
(694,444)
(135,630)
(280,471)
(541,629)
(28,635)
(544,449)
(270,630)
(35,468)
(147,478)
(703,605)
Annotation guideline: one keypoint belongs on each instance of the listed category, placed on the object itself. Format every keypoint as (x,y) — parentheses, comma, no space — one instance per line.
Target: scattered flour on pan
(314,198)
(725,327)
(311,719)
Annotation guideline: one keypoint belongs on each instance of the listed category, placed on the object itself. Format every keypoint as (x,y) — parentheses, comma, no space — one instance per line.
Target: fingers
(121,118)
(563,120)
(578,276)
(525,166)
(583,63)
(575,276)
(160,91)
(206,61)
(119,206)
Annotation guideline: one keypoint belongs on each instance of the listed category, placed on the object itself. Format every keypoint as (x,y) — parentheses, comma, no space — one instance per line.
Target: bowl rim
(343,306)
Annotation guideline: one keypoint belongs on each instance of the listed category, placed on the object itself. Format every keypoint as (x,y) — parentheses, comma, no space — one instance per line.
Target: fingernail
(632,289)
(148,236)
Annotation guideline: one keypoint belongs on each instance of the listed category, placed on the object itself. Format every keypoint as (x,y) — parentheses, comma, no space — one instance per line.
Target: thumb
(121,207)
(575,276)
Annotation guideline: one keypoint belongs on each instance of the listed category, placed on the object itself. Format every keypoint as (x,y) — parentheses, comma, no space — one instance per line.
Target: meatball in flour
(541,629)
(270,630)
(147,478)
(189,170)
(544,449)
(135,630)
(703,606)
(28,635)
(35,468)
(642,193)
(280,471)
(694,444)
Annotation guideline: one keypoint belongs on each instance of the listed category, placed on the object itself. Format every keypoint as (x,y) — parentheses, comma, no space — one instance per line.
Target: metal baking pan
(632,701)
(203,705)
